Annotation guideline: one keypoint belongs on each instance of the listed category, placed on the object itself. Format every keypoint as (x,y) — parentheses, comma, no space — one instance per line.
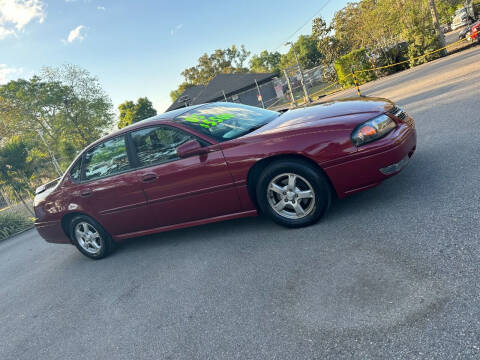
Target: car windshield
(226,121)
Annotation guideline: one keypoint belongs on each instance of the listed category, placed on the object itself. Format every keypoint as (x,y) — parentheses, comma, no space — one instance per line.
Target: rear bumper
(52,231)
(370,170)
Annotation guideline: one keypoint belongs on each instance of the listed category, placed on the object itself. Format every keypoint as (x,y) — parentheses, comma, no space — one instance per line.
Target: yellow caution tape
(415,58)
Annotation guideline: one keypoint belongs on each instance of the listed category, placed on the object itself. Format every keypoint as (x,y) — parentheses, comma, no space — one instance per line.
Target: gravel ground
(391,273)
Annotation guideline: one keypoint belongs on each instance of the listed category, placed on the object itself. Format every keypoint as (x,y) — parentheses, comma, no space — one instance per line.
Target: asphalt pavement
(390,273)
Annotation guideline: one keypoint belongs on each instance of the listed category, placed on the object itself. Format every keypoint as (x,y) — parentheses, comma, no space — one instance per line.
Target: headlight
(373,129)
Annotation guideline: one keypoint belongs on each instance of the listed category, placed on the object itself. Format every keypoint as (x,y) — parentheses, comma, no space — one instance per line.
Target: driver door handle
(149,178)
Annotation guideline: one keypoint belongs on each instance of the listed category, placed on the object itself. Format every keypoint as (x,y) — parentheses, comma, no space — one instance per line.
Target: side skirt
(186,224)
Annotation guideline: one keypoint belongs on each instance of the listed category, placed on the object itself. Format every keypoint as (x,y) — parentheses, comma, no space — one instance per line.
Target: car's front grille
(402,115)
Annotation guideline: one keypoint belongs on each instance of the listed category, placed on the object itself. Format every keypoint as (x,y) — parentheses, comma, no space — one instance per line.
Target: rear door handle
(149,178)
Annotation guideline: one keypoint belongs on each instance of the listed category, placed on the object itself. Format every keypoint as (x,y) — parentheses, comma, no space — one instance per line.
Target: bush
(13,222)
(354,60)
(392,55)
(421,45)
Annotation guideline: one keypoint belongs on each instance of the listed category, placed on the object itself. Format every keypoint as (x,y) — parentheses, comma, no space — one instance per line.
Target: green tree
(446,9)
(329,46)
(266,62)
(308,54)
(407,20)
(354,60)
(228,61)
(16,169)
(131,112)
(174,94)
(59,111)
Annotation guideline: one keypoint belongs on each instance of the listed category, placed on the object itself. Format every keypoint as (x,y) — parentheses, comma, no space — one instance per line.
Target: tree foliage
(353,61)
(266,62)
(228,61)
(328,45)
(66,105)
(131,112)
(307,52)
(382,24)
(174,94)
(16,168)
(446,9)
(49,117)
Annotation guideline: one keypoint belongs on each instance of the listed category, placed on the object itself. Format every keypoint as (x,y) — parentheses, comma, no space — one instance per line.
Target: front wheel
(90,237)
(293,193)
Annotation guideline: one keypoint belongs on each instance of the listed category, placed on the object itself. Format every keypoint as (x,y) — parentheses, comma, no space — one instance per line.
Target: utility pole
(436,24)
(292,101)
(52,155)
(307,98)
(259,94)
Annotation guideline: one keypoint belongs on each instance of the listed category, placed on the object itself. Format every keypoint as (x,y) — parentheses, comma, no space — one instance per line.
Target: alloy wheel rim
(88,237)
(291,196)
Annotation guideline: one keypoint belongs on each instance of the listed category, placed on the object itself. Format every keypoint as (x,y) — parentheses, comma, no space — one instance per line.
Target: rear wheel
(293,193)
(90,237)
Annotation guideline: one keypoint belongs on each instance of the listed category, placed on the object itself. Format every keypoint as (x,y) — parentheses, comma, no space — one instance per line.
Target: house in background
(239,88)
(187,97)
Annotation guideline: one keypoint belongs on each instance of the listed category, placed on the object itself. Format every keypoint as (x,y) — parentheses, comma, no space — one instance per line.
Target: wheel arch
(257,168)
(67,218)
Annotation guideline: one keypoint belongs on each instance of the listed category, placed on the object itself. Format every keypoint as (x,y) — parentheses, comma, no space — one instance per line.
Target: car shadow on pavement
(395,190)
(209,232)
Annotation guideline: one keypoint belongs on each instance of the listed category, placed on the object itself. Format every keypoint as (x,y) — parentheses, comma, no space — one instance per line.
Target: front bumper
(394,168)
(52,231)
(370,170)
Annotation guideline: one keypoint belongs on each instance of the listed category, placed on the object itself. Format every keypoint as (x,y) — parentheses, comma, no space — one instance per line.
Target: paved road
(452,36)
(390,273)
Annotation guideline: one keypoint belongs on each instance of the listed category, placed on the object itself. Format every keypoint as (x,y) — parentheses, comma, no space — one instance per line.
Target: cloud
(6,72)
(76,34)
(101,8)
(16,14)
(175,29)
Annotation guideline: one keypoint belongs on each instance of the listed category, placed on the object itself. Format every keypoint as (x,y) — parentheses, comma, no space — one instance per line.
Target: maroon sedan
(222,161)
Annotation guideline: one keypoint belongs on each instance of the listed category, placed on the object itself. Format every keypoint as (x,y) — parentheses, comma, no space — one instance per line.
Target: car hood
(335,115)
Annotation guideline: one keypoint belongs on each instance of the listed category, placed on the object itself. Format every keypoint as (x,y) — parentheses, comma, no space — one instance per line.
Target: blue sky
(138,47)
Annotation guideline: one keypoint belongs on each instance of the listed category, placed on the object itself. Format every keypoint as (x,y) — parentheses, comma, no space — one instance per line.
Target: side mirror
(190,148)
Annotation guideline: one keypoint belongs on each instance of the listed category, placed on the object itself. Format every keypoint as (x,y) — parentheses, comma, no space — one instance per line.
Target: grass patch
(12,223)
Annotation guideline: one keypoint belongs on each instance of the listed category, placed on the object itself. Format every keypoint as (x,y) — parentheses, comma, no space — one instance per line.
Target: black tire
(104,240)
(308,176)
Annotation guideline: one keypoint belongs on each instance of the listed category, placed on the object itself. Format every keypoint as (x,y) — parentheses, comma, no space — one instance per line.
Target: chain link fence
(20,203)
(286,89)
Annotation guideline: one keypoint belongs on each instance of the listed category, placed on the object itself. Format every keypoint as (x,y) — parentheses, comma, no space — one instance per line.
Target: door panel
(112,193)
(182,190)
(117,202)
(194,188)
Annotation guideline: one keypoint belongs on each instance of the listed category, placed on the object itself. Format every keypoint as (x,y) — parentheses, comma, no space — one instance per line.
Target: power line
(305,23)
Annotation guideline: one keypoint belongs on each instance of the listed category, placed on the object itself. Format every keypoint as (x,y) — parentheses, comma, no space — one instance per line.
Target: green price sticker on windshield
(208,121)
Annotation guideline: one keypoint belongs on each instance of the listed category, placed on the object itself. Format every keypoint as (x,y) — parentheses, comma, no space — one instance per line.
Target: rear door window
(106,159)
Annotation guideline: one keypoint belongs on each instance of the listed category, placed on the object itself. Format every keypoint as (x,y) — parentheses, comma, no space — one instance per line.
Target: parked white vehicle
(462,18)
